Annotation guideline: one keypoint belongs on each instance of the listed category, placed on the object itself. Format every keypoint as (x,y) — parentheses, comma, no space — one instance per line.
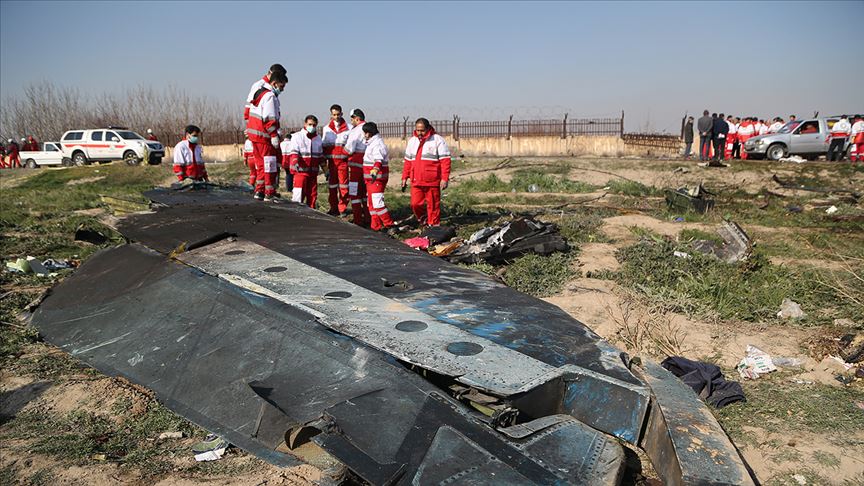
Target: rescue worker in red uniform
(285,162)
(262,128)
(189,157)
(261,83)
(151,136)
(745,132)
(14,159)
(427,166)
(32,145)
(856,151)
(839,133)
(375,174)
(355,147)
(333,138)
(305,158)
(731,137)
(249,161)
(2,156)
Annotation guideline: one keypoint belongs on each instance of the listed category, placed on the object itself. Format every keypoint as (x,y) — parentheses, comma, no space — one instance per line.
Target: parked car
(807,138)
(49,154)
(112,143)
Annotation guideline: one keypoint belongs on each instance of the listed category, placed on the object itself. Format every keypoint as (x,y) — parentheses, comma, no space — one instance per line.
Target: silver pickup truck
(807,138)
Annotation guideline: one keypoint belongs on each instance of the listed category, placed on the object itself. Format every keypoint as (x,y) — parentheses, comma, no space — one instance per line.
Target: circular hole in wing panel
(464,348)
(411,326)
(337,295)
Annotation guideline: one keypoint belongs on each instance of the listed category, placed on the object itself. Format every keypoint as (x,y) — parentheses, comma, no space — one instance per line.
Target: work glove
(444,185)
(404,185)
(374,174)
(274,141)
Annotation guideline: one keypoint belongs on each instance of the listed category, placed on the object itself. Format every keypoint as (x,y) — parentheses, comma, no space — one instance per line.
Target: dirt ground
(784,442)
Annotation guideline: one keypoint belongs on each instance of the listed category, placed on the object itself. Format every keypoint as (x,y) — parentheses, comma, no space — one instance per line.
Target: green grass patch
(524,180)
(540,276)
(750,291)
(632,188)
(689,235)
(779,407)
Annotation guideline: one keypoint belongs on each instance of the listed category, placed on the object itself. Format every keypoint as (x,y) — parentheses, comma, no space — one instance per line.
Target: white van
(112,143)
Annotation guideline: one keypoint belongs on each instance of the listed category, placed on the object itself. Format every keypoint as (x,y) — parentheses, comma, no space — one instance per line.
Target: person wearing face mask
(355,147)
(262,128)
(427,166)
(333,139)
(375,175)
(189,157)
(261,83)
(306,156)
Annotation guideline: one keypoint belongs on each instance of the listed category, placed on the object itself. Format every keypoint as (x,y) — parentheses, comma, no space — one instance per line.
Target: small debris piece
(53,265)
(445,249)
(212,448)
(418,243)
(796,159)
(438,234)
(681,254)
(510,240)
(90,236)
(831,210)
(170,435)
(37,267)
(799,479)
(790,309)
(689,199)
(756,362)
(784,362)
(736,246)
(852,350)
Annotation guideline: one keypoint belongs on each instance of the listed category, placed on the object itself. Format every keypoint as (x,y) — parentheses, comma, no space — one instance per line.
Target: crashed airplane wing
(277,326)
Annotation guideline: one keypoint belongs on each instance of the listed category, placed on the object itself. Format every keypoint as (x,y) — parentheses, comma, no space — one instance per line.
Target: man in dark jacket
(688,137)
(718,134)
(704,125)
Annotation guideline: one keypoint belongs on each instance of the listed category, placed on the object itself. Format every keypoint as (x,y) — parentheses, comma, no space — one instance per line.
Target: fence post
(456,127)
(404,128)
(621,130)
(509,127)
(564,127)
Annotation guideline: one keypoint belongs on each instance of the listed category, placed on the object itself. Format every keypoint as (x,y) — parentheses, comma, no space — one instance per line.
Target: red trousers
(338,185)
(266,163)
(14,161)
(428,198)
(3,161)
(357,195)
(730,144)
(741,140)
(378,214)
(253,173)
(305,188)
(855,152)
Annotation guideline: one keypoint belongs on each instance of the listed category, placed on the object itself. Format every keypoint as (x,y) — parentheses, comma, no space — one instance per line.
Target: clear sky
(482,60)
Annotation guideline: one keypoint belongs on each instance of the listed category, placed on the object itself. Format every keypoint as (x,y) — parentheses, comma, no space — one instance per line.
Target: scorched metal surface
(298,319)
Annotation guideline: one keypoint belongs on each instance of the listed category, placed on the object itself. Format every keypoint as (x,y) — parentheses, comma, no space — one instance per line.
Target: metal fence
(458,129)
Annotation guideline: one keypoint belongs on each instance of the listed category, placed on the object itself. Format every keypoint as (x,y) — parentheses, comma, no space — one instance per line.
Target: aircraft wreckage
(280,328)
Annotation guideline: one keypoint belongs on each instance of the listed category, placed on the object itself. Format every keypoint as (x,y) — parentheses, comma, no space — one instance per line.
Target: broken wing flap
(682,438)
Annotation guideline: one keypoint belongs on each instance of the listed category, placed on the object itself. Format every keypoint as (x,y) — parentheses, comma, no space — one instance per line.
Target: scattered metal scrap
(802,187)
(304,331)
(693,198)
(736,245)
(510,240)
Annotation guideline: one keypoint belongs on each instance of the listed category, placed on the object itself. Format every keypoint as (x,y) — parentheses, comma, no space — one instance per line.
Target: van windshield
(787,128)
(127,135)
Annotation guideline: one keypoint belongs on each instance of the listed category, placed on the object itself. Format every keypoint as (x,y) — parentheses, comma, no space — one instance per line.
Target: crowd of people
(10,153)
(351,153)
(723,137)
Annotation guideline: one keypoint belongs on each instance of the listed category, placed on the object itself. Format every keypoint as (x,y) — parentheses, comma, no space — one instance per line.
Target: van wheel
(67,162)
(131,158)
(31,164)
(79,159)
(154,160)
(776,151)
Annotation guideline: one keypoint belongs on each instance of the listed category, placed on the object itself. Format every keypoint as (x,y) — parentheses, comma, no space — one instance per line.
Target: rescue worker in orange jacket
(333,138)
(262,128)
(305,158)
(427,166)
(189,157)
(376,173)
(355,147)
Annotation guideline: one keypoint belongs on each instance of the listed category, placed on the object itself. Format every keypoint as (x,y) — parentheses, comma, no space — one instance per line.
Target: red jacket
(263,123)
(427,160)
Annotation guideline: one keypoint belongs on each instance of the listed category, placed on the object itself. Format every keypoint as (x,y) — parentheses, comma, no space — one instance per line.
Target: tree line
(46,111)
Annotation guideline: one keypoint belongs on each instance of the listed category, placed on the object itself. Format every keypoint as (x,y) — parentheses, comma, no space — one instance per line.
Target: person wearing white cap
(151,136)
